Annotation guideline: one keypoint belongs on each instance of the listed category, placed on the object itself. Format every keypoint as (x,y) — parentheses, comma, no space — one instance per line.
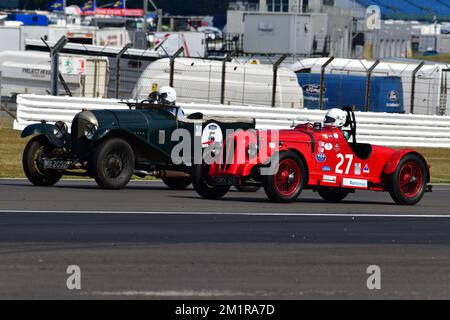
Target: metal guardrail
(377,128)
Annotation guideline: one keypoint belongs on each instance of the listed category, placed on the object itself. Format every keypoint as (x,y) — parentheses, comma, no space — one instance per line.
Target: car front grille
(79,142)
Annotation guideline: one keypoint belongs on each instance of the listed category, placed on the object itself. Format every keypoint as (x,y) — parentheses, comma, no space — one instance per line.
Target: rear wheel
(409,181)
(201,185)
(288,182)
(332,194)
(36,149)
(180,183)
(113,164)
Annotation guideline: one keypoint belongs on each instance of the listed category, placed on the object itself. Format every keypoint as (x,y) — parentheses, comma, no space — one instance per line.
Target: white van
(29,72)
(198,80)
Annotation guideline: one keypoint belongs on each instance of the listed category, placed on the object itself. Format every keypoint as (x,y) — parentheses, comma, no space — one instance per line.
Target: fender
(395,159)
(137,143)
(43,129)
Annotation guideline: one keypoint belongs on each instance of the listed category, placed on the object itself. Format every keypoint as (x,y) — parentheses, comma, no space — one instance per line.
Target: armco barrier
(377,128)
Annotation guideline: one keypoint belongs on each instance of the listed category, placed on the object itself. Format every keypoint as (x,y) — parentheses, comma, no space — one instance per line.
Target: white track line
(252,214)
(173,293)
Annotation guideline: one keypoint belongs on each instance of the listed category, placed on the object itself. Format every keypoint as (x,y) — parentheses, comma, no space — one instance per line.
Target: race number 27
(342,158)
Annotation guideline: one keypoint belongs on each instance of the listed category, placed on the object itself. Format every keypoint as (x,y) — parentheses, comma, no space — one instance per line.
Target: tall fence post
(60,76)
(54,55)
(369,82)
(118,57)
(276,65)
(172,64)
(224,71)
(413,84)
(444,93)
(322,81)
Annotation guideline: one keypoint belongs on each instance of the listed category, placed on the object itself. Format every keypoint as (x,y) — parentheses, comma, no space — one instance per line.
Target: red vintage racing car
(313,156)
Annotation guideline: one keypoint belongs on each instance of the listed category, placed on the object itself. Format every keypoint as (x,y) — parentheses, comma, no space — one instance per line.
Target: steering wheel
(351,122)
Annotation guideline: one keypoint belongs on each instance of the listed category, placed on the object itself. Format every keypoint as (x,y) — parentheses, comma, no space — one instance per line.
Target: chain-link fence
(240,82)
(314,83)
(375,86)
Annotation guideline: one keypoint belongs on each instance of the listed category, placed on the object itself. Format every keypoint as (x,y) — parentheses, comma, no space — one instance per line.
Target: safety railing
(377,128)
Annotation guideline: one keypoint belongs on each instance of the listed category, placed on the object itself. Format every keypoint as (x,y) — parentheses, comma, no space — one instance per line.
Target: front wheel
(333,195)
(409,181)
(113,164)
(287,183)
(201,185)
(33,155)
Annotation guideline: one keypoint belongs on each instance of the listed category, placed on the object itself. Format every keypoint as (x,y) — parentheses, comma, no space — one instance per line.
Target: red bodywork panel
(329,158)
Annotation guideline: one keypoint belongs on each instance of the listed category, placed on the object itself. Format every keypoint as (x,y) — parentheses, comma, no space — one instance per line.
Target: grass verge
(11,148)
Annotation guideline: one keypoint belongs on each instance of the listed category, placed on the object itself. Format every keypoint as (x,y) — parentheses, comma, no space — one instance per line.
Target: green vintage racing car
(113,145)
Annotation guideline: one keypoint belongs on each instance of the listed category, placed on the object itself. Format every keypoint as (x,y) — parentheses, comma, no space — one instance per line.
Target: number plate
(56,164)
(225,181)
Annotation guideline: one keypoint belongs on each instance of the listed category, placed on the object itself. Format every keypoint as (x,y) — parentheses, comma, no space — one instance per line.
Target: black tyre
(333,194)
(34,151)
(113,164)
(409,181)
(247,188)
(287,183)
(177,183)
(201,185)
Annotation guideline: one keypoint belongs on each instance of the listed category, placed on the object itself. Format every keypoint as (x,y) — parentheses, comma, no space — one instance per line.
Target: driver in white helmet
(337,118)
(167,96)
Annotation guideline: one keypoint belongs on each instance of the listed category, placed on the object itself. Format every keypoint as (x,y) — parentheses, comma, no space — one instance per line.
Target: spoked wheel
(333,194)
(408,183)
(288,182)
(36,149)
(113,164)
(201,185)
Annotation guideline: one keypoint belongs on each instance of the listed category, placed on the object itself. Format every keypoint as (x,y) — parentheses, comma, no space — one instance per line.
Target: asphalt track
(151,243)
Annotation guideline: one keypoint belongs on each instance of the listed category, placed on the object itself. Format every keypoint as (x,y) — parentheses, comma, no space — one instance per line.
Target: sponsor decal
(358,168)
(394,99)
(330,136)
(337,147)
(355,183)
(321,157)
(336,136)
(321,147)
(211,134)
(325,136)
(326,169)
(329,179)
(312,89)
(272,145)
(393,96)
(366,168)
(328,146)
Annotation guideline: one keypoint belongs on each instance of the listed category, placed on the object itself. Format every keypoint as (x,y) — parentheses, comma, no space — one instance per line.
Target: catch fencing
(378,128)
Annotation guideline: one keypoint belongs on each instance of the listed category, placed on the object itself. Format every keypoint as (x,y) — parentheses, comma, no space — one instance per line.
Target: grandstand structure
(338,27)
(421,10)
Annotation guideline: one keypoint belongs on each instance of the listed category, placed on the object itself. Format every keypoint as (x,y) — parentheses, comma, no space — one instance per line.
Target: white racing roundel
(211,134)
